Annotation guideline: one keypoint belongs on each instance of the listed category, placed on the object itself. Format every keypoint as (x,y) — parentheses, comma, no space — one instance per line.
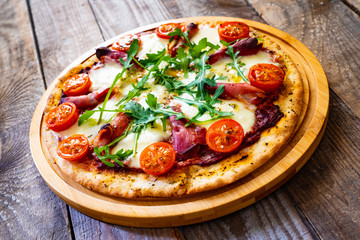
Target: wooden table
(39,38)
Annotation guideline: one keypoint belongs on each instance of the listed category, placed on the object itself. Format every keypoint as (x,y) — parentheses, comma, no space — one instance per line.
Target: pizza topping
(268,77)
(186,138)
(173,46)
(224,135)
(73,148)
(158,158)
(232,31)
(78,84)
(247,46)
(186,74)
(62,117)
(163,30)
(239,91)
(86,101)
(105,54)
(110,131)
(124,42)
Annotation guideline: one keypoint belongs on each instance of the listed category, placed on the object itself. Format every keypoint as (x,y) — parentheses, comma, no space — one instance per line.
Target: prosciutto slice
(247,46)
(86,101)
(112,130)
(105,54)
(186,140)
(239,91)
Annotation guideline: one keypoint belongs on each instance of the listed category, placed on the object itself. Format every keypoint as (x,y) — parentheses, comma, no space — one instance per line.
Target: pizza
(172,111)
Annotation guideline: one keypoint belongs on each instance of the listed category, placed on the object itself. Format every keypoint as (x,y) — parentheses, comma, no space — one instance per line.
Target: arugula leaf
(181,61)
(198,48)
(206,106)
(157,109)
(168,81)
(85,116)
(153,58)
(103,153)
(160,56)
(235,63)
(177,32)
(200,79)
(130,55)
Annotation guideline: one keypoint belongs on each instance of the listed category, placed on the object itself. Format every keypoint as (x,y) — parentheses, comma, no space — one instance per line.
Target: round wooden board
(211,204)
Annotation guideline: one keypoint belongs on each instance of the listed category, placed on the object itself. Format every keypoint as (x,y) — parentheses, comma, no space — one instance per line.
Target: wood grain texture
(64,31)
(88,228)
(25,201)
(327,189)
(115,17)
(329,29)
(274,217)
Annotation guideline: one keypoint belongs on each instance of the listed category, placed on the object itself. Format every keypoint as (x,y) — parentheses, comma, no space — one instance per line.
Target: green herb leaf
(134,46)
(85,116)
(235,63)
(103,153)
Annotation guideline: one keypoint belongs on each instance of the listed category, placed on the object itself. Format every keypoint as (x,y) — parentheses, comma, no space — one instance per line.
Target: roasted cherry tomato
(124,42)
(78,84)
(162,31)
(231,31)
(73,148)
(224,135)
(157,158)
(62,117)
(266,76)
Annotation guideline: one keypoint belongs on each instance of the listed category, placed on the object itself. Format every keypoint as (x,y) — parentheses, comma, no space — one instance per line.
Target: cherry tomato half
(231,31)
(266,76)
(124,42)
(73,148)
(157,158)
(78,84)
(162,31)
(224,135)
(62,117)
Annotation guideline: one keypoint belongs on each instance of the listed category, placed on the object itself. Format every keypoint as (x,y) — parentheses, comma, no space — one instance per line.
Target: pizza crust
(192,179)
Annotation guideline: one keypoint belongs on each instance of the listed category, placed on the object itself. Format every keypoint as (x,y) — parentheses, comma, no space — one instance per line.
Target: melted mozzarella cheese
(150,43)
(148,136)
(241,113)
(221,67)
(103,77)
(211,34)
(90,128)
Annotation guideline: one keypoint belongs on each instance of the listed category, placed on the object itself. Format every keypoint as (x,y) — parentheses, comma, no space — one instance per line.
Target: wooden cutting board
(211,204)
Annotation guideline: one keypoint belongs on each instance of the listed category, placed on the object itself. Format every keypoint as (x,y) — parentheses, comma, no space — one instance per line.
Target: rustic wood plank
(88,228)
(327,189)
(137,13)
(28,209)
(354,5)
(328,28)
(115,17)
(64,30)
(274,217)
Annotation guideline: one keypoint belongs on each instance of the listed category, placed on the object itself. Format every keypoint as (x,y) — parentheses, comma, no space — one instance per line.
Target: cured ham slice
(239,91)
(112,130)
(86,101)
(105,54)
(186,140)
(247,46)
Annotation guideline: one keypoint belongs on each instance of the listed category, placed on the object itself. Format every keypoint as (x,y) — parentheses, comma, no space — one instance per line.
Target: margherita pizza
(172,111)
